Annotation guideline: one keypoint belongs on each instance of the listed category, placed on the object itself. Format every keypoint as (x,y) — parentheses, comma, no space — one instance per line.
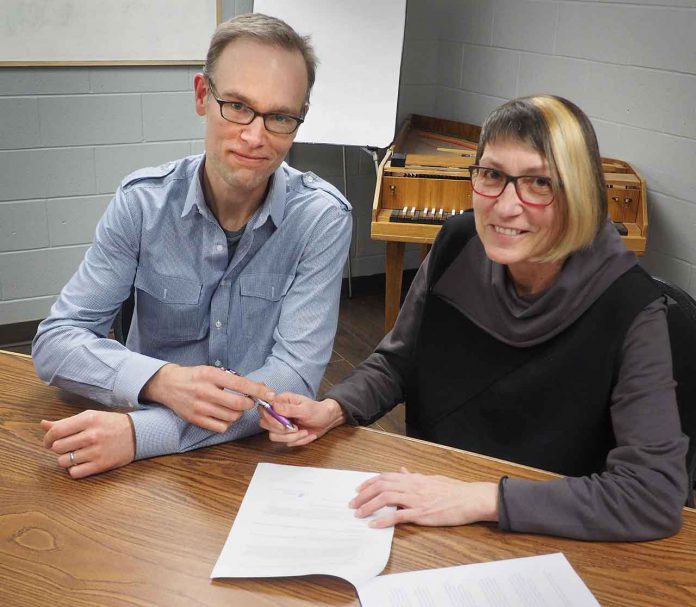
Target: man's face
(266,78)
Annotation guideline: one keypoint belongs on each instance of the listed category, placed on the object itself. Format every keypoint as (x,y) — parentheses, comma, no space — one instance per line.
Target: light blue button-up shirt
(270,313)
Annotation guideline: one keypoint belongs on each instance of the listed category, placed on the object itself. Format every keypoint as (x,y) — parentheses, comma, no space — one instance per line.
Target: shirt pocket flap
(168,289)
(265,286)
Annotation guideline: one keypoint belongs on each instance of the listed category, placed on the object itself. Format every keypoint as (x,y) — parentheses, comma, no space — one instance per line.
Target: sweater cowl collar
(491,302)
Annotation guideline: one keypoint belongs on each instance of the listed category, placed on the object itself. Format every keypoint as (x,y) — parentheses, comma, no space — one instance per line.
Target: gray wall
(631,65)
(69,135)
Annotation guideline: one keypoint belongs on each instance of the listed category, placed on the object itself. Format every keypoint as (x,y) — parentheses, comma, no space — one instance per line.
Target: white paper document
(536,581)
(296,521)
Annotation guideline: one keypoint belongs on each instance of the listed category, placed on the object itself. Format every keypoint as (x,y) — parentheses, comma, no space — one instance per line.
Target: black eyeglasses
(532,190)
(240,113)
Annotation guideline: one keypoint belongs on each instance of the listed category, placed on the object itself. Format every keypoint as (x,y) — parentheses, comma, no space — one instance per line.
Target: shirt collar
(194,195)
(273,205)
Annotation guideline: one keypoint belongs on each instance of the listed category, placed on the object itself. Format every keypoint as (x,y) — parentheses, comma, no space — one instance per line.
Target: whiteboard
(359,44)
(118,32)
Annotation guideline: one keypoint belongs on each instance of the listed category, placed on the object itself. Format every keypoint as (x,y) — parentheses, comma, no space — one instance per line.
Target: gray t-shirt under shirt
(233,238)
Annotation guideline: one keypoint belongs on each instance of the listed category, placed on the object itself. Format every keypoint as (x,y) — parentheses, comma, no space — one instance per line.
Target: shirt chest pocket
(168,307)
(261,301)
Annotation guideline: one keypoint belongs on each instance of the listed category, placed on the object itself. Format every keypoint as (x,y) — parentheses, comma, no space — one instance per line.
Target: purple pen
(268,407)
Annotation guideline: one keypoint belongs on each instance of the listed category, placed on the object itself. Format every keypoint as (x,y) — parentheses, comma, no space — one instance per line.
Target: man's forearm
(155,389)
(160,431)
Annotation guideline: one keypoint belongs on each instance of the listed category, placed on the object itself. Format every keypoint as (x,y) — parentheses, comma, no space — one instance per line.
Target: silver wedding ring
(72,458)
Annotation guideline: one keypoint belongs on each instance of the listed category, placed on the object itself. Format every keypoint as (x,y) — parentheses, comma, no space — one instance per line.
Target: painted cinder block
(44,173)
(38,273)
(90,119)
(151,78)
(527,26)
(19,123)
(73,220)
(23,225)
(113,163)
(168,116)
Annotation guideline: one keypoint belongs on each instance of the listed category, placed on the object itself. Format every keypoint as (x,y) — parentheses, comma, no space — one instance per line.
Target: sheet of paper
(296,521)
(536,581)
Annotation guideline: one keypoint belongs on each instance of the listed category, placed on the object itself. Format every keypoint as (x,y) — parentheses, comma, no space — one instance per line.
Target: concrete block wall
(68,136)
(631,65)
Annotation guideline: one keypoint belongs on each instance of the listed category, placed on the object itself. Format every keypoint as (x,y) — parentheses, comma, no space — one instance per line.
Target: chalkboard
(359,44)
(115,32)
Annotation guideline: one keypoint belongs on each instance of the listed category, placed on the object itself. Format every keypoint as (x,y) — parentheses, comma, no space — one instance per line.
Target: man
(236,260)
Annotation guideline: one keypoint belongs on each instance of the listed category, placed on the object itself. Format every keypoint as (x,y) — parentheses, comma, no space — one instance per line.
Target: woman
(529,334)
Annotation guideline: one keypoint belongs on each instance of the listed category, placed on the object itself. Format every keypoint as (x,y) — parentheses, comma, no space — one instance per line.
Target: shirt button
(218,363)
(218,324)
(219,248)
(310,178)
(225,283)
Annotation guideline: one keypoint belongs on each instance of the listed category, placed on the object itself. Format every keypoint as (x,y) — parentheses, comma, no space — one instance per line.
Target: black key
(398,160)
(620,228)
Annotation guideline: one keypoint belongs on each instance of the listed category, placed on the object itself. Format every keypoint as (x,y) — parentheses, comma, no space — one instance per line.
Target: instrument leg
(424,250)
(394,275)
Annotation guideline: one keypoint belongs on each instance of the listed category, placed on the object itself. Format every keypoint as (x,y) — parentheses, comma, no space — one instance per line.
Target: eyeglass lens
(532,189)
(242,114)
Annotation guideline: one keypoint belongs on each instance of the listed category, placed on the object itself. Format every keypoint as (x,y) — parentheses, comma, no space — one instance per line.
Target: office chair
(122,322)
(681,320)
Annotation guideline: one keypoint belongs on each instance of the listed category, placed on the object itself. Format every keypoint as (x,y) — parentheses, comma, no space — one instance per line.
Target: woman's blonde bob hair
(560,131)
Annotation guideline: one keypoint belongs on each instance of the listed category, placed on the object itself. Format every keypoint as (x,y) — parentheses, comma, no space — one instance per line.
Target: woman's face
(512,232)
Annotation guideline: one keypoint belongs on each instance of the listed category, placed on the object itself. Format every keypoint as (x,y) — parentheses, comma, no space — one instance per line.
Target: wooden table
(149,533)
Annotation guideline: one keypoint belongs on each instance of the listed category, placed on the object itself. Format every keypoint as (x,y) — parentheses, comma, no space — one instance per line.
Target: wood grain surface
(149,534)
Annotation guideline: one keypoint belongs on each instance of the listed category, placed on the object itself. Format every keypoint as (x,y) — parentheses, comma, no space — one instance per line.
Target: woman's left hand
(426,500)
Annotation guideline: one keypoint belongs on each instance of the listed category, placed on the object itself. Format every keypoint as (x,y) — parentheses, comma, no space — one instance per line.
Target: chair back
(681,319)
(123,319)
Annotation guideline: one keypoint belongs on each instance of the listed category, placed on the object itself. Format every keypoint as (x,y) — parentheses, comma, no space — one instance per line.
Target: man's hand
(313,419)
(98,440)
(426,500)
(197,394)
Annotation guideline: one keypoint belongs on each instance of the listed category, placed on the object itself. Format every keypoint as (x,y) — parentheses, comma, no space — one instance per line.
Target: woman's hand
(426,500)
(313,419)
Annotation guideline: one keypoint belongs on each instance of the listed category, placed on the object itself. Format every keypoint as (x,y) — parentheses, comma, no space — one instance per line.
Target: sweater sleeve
(377,385)
(640,494)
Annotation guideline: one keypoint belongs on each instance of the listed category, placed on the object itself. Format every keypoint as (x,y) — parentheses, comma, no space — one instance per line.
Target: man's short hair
(264,29)
(561,132)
